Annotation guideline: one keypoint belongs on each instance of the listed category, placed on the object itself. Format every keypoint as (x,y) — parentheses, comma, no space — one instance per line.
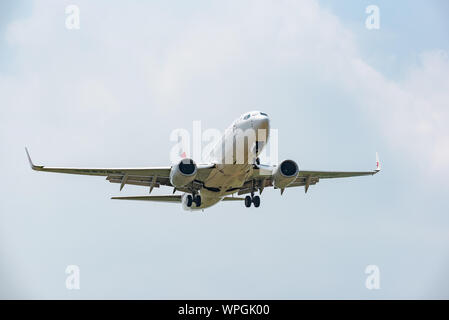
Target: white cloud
(411,113)
(176,63)
(105,95)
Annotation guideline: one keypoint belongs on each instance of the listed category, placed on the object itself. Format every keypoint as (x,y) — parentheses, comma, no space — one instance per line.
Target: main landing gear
(193,199)
(252,199)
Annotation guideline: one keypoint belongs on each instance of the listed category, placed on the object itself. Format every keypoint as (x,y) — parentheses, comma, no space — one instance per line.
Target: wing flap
(146,181)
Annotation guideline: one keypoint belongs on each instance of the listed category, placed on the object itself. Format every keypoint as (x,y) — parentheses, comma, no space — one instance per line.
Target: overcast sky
(110,94)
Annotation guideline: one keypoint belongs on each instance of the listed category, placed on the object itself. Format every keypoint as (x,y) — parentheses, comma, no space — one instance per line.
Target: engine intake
(183,173)
(285,174)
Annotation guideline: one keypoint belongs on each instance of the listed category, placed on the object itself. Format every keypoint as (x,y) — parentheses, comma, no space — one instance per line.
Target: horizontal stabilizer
(164,198)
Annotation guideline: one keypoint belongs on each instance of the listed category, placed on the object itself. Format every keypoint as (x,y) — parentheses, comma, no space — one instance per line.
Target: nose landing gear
(252,199)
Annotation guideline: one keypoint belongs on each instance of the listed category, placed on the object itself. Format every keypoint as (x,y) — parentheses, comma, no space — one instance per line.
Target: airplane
(225,174)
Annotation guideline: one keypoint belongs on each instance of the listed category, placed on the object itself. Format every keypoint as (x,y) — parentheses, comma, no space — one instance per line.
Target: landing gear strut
(252,199)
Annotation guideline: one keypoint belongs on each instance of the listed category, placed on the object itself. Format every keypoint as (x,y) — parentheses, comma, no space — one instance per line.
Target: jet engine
(183,173)
(285,174)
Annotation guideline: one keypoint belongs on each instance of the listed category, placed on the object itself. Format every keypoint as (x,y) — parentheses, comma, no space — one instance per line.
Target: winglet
(377,163)
(32,165)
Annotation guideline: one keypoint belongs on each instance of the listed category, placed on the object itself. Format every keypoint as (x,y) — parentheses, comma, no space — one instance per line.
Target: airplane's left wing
(151,176)
(162,171)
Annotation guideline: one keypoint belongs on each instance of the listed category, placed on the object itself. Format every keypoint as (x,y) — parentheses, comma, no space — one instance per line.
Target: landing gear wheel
(256,201)
(189,201)
(248,201)
(197,200)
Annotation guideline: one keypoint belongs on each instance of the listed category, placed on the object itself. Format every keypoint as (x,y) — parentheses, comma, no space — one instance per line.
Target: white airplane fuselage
(234,156)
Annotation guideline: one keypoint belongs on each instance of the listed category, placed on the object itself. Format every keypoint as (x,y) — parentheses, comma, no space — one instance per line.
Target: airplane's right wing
(306,178)
(263,178)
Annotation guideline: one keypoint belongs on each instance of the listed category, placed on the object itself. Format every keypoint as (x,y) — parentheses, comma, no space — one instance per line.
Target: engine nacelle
(285,174)
(183,173)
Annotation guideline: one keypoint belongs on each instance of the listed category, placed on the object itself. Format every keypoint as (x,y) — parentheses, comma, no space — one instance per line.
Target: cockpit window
(246,117)
(264,114)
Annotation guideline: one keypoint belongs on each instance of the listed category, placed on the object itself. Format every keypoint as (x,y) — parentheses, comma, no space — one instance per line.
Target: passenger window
(246,117)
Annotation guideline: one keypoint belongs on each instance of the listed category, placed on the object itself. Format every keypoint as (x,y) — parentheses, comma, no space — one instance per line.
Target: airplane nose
(261,122)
